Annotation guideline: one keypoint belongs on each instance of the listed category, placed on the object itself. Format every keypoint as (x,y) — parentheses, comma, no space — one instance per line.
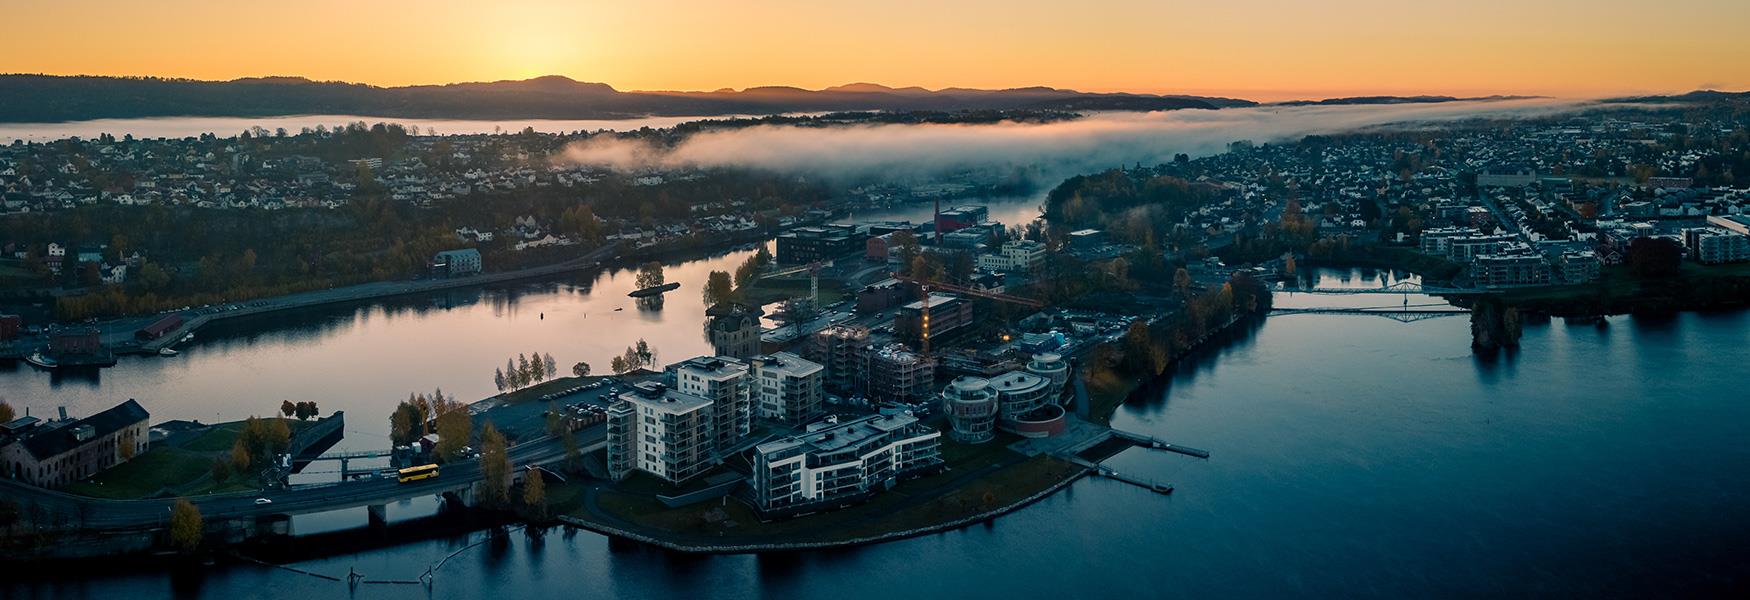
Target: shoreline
(611,531)
(602,257)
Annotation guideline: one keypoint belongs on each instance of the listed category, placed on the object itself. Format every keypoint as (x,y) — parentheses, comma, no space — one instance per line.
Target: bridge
(1401,287)
(345,458)
(1405,313)
(457,480)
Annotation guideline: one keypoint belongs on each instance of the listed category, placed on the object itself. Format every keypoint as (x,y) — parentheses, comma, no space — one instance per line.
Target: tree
(305,410)
(498,379)
(649,275)
(535,494)
(6,412)
(240,457)
(618,365)
(632,359)
(719,288)
(287,408)
(580,370)
(494,465)
(406,424)
(646,355)
(186,529)
(523,375)
(573,454)
(552,366)
(1182,280)
(455,429)
(1655,257)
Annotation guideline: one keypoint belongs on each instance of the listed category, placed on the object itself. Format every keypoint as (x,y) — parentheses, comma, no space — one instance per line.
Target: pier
(1109,473)
(1159,444)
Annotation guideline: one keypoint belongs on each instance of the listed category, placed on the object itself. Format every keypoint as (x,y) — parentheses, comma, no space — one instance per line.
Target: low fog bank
(1099,141)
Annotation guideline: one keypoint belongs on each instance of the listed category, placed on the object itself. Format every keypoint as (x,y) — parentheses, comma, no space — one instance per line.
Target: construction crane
(966,291)
(924,288)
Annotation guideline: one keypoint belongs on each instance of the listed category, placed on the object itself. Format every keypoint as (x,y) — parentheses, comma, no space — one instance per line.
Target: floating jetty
(654,290)
(1159,444)
(1147,484)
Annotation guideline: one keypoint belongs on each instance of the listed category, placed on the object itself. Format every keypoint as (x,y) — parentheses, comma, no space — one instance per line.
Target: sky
(1258,49)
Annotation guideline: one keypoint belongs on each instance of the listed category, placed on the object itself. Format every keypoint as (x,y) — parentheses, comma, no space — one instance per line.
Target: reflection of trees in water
(650,303)
(89,376)
(1200,360)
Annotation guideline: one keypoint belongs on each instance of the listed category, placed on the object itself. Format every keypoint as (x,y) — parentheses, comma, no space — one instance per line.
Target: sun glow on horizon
(1259,49)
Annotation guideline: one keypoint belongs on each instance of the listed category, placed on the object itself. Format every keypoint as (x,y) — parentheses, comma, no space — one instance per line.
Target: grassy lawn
(178,462)
(977,478)
(13,273)
(922,502)
(146,474)
(765,291)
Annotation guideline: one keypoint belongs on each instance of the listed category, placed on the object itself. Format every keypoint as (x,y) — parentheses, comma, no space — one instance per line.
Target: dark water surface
(1353,456)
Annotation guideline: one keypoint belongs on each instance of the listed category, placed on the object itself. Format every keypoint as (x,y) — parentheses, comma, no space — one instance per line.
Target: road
(103,514)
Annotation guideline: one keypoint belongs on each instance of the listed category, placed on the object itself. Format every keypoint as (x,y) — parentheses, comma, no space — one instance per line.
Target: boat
(37,358)
(166,352)
(654,290)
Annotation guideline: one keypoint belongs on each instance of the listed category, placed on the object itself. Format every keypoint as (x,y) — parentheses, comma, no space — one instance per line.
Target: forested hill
(45,98)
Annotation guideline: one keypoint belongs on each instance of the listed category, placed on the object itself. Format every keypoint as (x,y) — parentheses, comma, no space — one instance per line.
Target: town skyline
(1361,47)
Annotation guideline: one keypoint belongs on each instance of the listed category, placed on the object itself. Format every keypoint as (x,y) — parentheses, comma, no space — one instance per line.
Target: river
(363,357)
(1352,456)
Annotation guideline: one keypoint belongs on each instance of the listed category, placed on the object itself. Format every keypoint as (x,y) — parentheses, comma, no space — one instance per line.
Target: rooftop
(660,397)
(1017,381)
(60,440)
(786,363)
(828,437)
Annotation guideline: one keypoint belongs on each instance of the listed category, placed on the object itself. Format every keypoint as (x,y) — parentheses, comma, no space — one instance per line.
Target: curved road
(98,513)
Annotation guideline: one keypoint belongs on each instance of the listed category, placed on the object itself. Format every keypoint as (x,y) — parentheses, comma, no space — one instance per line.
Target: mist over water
(1096,142)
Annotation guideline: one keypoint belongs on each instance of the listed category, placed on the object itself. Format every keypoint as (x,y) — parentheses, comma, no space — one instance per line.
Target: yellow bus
(417,473)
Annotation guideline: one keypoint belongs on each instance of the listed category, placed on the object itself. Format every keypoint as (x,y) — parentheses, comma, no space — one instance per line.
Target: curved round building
(1019,393)
(1051,366)
(971,406)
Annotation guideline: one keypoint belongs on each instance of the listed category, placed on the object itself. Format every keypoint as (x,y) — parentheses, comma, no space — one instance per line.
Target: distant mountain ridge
(49,98)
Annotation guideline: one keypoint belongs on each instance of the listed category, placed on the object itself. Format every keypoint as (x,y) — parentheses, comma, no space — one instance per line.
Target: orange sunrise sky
(1258,49)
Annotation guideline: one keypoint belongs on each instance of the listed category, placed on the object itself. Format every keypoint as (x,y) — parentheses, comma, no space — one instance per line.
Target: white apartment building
(660,431)
(837,461)
(786,387)
(1716,245)
(723,382)
(1022,256)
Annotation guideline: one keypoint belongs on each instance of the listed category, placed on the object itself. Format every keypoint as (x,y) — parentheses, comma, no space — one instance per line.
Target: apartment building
(661,431)
(723,382)
(786,387)
(837,462)
(1016,256)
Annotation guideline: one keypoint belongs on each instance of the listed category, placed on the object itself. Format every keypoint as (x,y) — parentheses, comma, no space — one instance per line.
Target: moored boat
(37,359)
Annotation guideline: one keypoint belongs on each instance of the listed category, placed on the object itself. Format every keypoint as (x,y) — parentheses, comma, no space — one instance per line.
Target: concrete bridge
(1401,287)
(456,483)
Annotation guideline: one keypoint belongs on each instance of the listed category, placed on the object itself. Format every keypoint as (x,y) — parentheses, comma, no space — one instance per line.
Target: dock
(1160,444)
(1107,472)
(1147,484)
